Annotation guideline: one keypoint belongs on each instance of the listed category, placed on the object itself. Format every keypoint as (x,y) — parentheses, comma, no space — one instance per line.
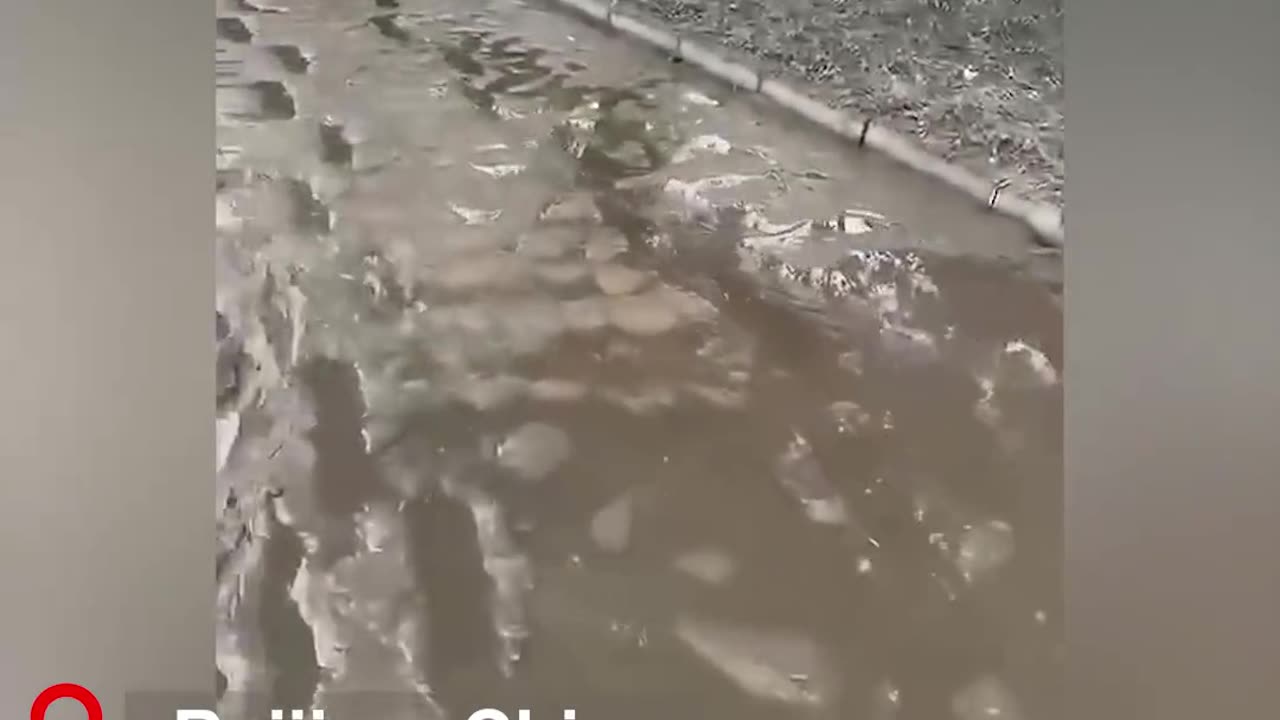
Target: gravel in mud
(979,82)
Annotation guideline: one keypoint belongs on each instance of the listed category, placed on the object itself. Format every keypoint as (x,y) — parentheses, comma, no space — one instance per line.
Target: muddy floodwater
(553,375)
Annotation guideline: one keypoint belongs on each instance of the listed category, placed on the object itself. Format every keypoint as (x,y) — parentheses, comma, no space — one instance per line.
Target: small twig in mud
(1001,184)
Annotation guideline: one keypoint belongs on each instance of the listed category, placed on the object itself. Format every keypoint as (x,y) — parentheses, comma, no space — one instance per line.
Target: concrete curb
(1046,221)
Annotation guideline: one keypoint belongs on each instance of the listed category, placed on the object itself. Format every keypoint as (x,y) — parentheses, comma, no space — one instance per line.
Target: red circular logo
(66,690)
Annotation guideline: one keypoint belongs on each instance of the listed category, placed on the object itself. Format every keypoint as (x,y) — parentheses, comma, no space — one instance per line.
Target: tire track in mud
(430,357)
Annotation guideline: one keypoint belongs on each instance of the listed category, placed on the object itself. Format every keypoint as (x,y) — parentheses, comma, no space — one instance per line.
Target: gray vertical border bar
(1173,371)
(106,135)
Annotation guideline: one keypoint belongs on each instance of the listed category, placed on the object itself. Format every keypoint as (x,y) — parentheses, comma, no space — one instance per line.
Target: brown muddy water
(553,375)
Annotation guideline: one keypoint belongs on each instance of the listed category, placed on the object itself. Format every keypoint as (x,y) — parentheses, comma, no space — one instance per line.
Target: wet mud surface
(552,375)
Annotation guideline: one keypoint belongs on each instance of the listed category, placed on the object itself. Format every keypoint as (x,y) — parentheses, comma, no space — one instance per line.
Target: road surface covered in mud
(551,375)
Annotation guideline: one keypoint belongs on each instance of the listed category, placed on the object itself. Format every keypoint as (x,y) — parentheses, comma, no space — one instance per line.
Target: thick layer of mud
(551,375)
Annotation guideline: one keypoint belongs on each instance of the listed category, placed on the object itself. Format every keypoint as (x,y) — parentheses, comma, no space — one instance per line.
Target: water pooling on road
(551,373)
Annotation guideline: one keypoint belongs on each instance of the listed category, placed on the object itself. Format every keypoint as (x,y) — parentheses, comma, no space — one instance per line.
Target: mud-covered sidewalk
(979,82)
(553,374)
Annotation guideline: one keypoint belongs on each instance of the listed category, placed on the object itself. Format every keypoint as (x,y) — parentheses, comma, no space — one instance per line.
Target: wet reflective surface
(551,373)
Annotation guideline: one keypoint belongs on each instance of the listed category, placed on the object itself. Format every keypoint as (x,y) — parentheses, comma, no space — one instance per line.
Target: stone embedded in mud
(534,450)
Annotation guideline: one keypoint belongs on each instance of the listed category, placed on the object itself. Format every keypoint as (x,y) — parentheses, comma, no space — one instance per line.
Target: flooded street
(554,375)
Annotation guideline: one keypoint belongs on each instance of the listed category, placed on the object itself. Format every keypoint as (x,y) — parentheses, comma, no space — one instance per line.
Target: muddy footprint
(290,58)
(335,149)
(265,100)
(234,30)
(389,27)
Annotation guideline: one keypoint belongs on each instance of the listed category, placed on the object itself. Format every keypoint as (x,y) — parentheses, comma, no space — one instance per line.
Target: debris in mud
(534,450)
